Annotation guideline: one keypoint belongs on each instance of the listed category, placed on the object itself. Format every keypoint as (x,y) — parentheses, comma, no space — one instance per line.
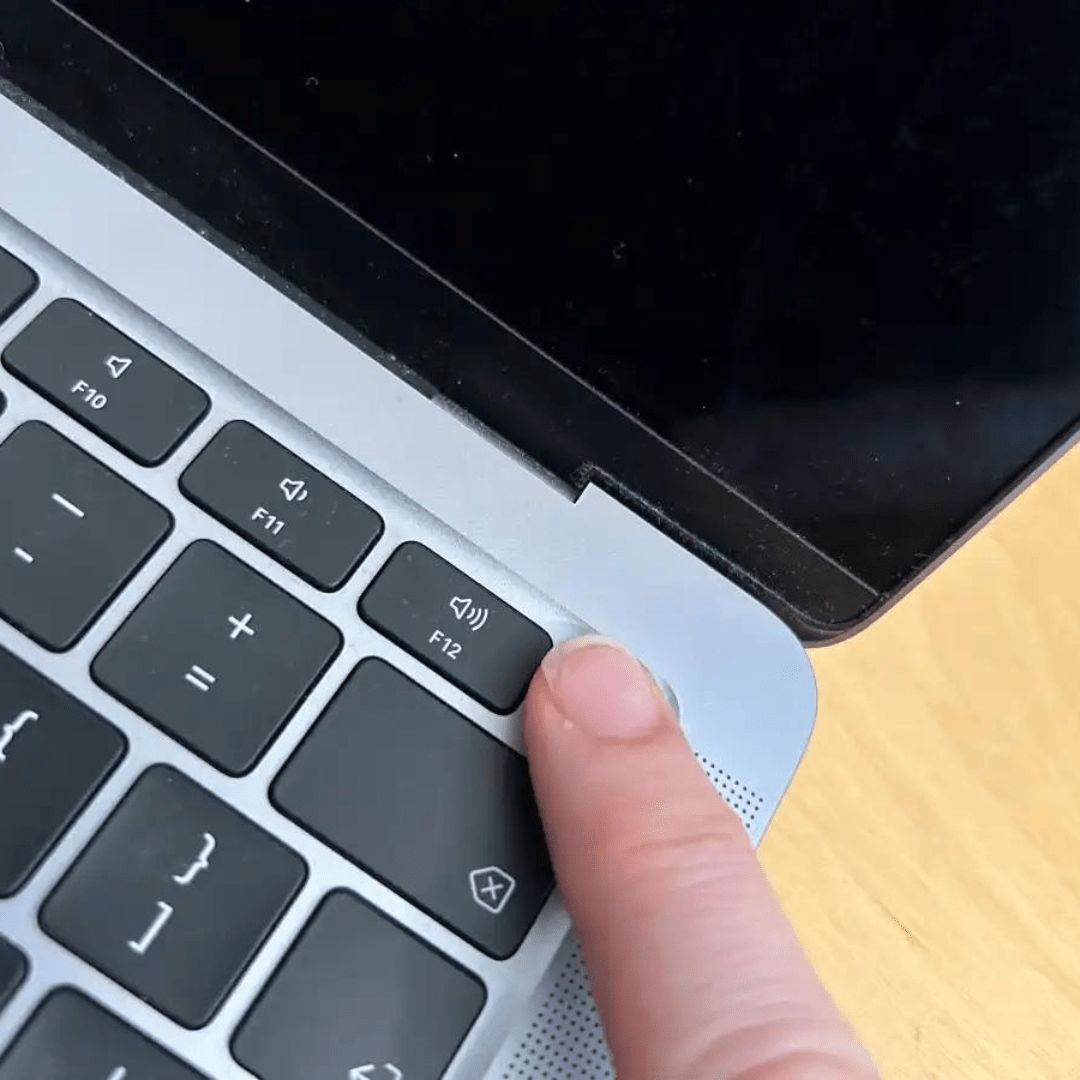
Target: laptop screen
(830,252)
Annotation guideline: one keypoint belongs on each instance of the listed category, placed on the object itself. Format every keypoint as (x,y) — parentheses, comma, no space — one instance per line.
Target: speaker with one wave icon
(472,615)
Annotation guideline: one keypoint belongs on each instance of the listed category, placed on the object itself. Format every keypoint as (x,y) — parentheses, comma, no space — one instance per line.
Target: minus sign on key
(68,505)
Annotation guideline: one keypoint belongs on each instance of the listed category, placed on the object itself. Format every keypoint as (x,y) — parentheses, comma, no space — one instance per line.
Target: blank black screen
(831,250)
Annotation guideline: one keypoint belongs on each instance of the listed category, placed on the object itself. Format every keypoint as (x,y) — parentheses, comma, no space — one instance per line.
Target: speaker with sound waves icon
(472,615)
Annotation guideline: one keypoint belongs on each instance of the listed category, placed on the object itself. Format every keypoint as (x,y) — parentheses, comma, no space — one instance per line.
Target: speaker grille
(565,1040)
(746,803)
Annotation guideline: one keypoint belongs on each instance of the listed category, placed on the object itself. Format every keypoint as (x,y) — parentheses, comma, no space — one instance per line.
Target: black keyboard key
(54,754)
(12,970)
(456,626)
(98,375)
(17,282)
(71,534)
(71,1038)
(174,896)
(358,996)
(217,656)
(282,505)
(426,801)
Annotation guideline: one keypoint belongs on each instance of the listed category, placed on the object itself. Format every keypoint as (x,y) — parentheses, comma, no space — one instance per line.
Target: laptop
(353,355)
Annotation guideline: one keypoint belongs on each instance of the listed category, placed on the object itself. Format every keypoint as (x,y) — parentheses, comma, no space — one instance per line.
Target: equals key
(200,678)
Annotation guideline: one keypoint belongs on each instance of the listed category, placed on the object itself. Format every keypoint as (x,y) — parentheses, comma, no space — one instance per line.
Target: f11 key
(282,505)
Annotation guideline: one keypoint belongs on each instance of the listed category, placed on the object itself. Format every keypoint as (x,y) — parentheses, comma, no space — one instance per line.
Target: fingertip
(594,684)
(662,882)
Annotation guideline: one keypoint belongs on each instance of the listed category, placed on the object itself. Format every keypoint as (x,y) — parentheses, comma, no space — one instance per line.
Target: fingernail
(601,688)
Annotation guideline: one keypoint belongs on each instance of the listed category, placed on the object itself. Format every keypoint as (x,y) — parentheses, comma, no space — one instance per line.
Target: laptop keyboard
(178,891)
(344,773)
(217,656)
(12,970)
(71,536)
(407,603)
(70,1036)
(279,503)
(332,976)
(113,386)
(17,282)
(38,717)
(174,896)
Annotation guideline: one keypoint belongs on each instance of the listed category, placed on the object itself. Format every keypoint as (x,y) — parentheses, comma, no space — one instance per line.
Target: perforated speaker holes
(566,1041)
(746,803)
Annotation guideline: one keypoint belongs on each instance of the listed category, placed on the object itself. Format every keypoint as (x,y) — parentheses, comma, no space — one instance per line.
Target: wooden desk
(929,851)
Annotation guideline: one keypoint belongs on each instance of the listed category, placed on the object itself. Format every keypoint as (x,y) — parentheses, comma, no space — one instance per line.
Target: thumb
(696,971)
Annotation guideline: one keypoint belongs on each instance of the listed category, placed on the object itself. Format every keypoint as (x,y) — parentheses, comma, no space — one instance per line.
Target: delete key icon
(492,888)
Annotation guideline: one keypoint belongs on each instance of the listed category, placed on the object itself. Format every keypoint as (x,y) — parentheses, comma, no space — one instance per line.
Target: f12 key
(456,626)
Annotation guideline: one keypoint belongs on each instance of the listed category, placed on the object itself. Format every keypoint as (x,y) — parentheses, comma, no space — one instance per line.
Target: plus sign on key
(241,626)
(217,656)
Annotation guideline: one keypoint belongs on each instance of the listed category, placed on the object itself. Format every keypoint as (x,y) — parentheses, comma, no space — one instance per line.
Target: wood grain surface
(929,850)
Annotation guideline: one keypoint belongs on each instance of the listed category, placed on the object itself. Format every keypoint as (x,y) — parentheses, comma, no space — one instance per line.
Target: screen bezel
(142,127)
